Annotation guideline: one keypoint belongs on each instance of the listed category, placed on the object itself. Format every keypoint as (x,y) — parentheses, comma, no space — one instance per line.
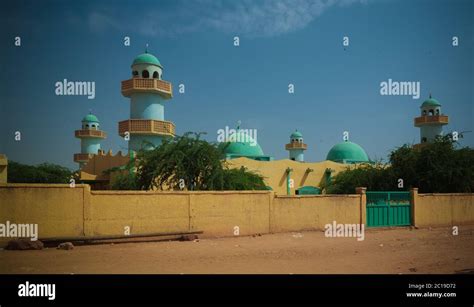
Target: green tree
(42,173)
(186,162)
(442,168)
(181,160)
(438,167)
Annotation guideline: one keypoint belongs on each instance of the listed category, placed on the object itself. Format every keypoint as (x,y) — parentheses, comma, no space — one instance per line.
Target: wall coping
(446,194)
(117,192)
(318,195)
(41,185)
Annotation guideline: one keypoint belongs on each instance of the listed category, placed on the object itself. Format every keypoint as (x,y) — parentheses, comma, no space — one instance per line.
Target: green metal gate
(388,209)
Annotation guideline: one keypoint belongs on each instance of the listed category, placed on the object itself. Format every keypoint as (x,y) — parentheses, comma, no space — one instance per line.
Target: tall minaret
(147,91)
(296,147)
(90,136)
(431,121)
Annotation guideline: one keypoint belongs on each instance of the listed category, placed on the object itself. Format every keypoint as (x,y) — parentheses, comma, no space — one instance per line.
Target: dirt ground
(401,250)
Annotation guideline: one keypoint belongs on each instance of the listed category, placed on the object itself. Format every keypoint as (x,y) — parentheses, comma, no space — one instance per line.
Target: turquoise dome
(90,118)
(147,58)
(431,102)
(296,135)
(347,152)
(240,144)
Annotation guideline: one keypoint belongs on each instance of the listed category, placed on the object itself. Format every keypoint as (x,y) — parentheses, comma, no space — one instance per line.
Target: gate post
(413,198)
(363,204)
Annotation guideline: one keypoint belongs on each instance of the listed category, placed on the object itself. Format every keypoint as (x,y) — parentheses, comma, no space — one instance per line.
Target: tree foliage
(377,177)
(125,181)
(242,179)
(42,173)
(437,167)
(186,162)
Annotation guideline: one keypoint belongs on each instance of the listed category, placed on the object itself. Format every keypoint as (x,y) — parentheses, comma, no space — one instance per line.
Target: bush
(241,179)
(375,177)
(42,173)
(125,182)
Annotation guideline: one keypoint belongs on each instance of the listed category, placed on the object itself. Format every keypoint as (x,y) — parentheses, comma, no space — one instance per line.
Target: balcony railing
(296,145)
(90,134)
(431,119)
(147,85)
(81,157)
(146,126)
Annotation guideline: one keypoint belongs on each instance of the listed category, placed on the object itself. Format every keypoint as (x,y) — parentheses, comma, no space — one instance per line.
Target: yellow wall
(56,208)
(293,213)
(275,172)
(217,213)
(444,209)
(143,212)
(62,211)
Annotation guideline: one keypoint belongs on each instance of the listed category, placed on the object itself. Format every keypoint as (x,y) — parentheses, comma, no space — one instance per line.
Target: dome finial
(430,95)
(146,48)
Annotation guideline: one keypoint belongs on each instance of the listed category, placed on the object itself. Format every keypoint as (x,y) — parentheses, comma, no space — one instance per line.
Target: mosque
(147,128)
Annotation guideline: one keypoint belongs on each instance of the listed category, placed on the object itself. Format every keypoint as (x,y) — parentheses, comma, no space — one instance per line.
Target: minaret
(431,121)
(90,136)
(296,147)
(146,127)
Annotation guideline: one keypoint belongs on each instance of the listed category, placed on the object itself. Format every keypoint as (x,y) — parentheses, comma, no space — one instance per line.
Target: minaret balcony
(141,85)
(147,127)
(431,120)
(90,134)
(296,145)
(82,157)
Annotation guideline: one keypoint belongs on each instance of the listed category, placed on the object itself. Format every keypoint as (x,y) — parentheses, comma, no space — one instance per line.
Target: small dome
(147,58)
(240,143)
(90,118)
(296,135)
(347,152)
(431,102)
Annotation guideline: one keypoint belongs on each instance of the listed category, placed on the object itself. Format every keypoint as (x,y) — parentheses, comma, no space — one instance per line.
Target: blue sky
(281,42)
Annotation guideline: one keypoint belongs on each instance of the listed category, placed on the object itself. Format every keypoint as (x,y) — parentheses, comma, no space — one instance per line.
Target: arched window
(155,75)
(145,74)
(437,111)
(424,112)
(135,73)
(87,125)
(423,140)
(431,113)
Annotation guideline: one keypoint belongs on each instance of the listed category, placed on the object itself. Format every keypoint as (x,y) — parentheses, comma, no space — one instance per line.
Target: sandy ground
(401,250)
